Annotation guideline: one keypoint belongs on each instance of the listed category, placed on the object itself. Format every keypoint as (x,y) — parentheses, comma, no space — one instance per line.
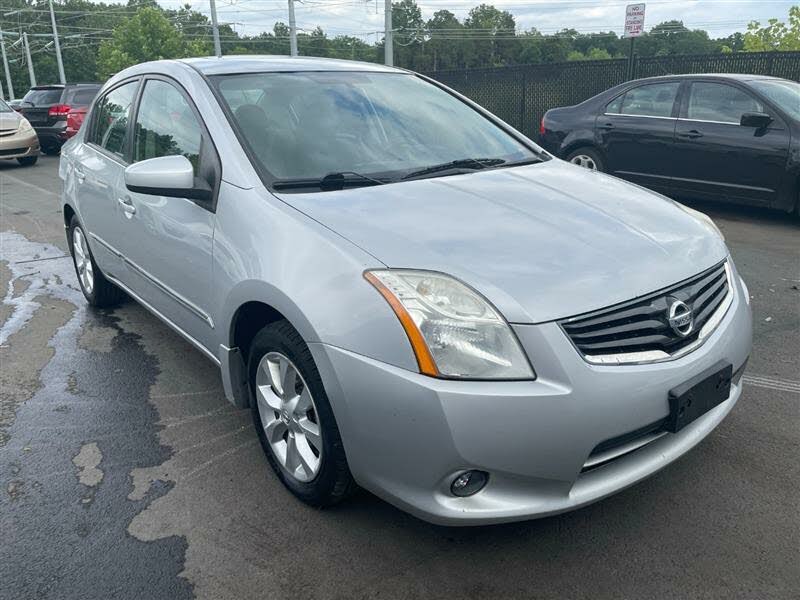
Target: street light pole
(31,74)
(215,29)
(58,46)
(292,30)
(387,39)
(5,67)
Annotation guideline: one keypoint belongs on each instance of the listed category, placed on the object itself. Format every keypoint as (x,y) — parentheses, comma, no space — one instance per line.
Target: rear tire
(27,161)
(51,150)
(588,158)
(98,290)
(318,474)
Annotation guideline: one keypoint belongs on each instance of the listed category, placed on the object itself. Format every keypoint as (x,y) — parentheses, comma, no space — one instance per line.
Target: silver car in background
(410,296)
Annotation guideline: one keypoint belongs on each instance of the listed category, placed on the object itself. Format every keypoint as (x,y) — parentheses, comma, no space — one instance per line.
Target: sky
(364,18)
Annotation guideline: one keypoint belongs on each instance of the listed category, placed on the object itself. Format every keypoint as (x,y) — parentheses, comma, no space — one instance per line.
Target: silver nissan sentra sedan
(411,296)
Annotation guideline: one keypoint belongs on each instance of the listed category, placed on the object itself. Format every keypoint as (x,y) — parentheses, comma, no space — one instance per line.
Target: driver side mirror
(755,119)
(171,176)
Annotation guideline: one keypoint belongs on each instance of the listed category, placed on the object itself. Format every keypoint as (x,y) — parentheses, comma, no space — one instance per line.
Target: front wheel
(294,419)
(588,158)
(27,161)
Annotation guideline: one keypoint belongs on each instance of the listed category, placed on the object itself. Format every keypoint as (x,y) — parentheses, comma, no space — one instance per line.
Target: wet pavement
(124,473)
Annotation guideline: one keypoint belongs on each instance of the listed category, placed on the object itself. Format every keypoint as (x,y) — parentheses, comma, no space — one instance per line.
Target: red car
(75,119)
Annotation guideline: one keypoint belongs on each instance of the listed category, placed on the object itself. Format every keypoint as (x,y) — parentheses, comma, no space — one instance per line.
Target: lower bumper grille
(13,151)
(656,326)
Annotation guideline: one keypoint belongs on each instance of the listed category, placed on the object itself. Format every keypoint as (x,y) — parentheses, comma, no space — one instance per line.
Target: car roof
(265,63)
(734,76)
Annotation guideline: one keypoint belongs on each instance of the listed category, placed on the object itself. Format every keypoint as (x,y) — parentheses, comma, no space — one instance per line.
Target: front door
(636,134)
(716,157)
(169,241)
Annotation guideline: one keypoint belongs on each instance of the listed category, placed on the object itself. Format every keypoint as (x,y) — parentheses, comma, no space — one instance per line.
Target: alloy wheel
(582,160)
(83,260)
(289,416)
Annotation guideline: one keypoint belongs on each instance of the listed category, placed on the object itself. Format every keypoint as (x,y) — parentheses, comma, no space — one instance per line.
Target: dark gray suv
(46,107)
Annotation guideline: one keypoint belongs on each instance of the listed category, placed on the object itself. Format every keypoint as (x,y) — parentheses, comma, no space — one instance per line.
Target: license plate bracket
(698,395)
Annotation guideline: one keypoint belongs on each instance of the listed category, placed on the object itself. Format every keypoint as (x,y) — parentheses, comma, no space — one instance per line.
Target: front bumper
(407,435)
(19,145)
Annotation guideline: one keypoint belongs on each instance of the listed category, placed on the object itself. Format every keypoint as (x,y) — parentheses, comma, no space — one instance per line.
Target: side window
(719,102)
(652,100)
(613,107)
(110,122)
(166,125)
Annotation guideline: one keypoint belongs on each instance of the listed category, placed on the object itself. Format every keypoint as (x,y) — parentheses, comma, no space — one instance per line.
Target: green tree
(491,32)
(148,35)
(776,35)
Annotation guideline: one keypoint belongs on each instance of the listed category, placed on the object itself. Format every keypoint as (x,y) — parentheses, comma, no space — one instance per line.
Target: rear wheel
(28,161)
(51,150)
(588,158)
(294,419)
(98,290)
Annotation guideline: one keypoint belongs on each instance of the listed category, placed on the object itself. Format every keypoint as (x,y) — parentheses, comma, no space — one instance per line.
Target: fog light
(469,483)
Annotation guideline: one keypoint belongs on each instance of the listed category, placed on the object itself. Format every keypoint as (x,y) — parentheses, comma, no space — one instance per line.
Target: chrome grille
(640,330)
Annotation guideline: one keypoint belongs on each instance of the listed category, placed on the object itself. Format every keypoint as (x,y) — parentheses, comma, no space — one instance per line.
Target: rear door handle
(127,205)
(693,134)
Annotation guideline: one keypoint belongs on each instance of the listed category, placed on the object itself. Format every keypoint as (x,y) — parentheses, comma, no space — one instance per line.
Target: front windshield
(786,94)
(5,107)
(309,124)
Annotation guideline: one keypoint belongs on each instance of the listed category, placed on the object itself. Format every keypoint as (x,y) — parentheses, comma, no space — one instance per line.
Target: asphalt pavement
(124,473)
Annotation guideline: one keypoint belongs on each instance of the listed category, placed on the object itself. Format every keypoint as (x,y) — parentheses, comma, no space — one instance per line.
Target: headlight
(703,218)
(25,125)
(455,332)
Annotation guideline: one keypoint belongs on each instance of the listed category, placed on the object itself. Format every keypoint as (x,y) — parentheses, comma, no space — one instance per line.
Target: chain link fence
(520,95)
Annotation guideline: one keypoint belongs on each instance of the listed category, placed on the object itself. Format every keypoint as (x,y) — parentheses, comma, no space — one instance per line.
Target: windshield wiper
(473,164)
(330,182)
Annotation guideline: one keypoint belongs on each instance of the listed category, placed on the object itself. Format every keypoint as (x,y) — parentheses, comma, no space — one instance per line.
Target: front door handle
(606,126)
(692,134)
(80,175)
(127,205)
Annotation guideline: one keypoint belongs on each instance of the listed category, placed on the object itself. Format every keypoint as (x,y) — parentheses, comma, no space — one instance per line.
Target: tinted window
(39,97)
(719,102)
(653,100)
(785,94)
(166,125)
(311,124)
(613,107)
(110,121)
(80,96)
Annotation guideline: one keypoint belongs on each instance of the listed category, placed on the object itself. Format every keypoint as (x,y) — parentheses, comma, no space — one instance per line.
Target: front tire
(27,161)
(98,291)
(588,158)
(294,419)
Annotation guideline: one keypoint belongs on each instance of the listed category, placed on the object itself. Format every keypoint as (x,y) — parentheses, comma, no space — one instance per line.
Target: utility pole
(58,46)
(28,56)
(5,67)
(387,36)
(292,30)
(215,29)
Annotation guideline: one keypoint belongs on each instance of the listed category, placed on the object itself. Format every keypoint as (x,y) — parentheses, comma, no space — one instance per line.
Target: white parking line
(783,385)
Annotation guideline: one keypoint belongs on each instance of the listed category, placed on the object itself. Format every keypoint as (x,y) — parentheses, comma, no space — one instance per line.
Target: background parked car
(734,138)
(17,137)
(75,120)
(47,108)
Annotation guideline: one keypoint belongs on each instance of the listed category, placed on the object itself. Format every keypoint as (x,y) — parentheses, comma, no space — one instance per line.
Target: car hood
(9,120)
(541,242)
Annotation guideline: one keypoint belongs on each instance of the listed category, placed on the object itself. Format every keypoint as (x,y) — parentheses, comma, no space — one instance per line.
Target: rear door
(716,157)
(99,164)
(636,133)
